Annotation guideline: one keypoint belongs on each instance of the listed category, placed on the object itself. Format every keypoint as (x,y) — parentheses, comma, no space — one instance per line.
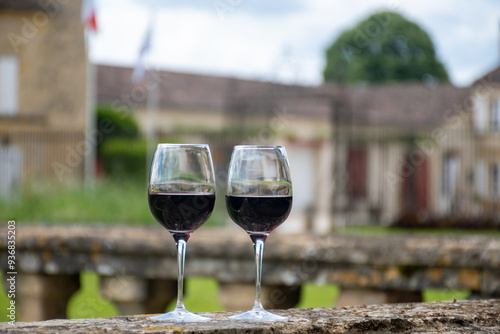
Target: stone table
(477,316)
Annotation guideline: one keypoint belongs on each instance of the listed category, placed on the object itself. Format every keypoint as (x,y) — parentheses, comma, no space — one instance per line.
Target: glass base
(180,315)
(258,315)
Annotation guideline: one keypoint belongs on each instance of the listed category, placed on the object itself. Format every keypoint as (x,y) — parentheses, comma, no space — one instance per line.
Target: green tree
(385,47)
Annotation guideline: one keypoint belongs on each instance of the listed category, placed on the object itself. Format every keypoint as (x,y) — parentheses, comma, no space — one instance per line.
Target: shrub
(113,124)
(125,157)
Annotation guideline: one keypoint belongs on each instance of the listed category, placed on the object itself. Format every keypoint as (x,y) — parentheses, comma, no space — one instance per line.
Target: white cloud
(465,33)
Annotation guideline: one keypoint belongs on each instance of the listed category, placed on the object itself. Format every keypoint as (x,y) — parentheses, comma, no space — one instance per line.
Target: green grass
(432,295)
(108,202)
(382,230)
(200,295)
(313,295)
(87,302)
(4,301)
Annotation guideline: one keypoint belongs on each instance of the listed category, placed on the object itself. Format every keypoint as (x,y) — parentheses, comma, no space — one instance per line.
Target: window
(495,115)
(481,178)
(480,113)
(449,178)
(9,72)
(495,181)
(11,167)
(356,171)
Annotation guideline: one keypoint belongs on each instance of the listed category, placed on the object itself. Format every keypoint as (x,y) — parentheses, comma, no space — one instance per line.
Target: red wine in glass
(181,196)
(258,213)
(258,199)
(181,212)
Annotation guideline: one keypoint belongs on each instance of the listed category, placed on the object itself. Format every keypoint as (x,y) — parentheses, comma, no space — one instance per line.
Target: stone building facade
(43,95)
(486,131)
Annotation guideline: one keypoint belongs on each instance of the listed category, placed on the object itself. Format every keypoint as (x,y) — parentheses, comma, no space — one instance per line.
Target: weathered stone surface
(383,262)
(438,251)
(481,316)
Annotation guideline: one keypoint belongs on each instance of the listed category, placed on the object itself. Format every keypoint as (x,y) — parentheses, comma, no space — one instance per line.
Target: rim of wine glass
(171,144)
(259,146)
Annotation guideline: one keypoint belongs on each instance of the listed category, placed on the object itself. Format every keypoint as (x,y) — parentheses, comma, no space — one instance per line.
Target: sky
(284,40)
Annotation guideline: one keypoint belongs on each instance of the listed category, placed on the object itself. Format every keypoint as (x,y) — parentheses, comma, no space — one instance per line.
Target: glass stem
(181,258)
(259,248)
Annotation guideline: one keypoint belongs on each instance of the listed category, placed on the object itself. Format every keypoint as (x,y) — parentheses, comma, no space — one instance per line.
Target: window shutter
(480,113)
(9,72)
(495,115)
(481,178)
(497,181)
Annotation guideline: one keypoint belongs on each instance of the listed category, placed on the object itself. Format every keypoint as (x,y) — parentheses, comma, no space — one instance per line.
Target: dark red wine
(258,213)
(181,212)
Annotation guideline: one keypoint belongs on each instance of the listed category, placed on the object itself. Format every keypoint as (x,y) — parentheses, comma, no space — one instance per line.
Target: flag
(88,15)
(140,67)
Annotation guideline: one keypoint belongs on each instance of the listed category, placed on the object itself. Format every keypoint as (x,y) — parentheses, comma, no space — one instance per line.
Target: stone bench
(137,266)
(478,316)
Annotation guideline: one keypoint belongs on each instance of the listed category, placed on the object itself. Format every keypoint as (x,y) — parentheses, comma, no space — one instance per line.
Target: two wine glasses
(181,194)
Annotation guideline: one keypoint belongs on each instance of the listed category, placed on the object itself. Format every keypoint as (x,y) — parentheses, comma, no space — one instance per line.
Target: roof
(393,104)
(492,76)
(24,5)
(201,92)
(406,103)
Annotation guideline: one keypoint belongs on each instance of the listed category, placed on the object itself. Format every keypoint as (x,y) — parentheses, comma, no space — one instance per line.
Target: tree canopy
(385,47)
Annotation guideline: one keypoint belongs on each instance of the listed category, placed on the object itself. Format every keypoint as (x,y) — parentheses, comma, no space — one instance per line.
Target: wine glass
(259,199)
(181,195)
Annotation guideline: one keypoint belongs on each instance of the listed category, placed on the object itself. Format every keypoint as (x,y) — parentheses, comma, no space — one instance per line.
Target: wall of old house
(457,140)
(49,43)
(487,149)
(313,185)
(276,124)
(393,159)
(49,124)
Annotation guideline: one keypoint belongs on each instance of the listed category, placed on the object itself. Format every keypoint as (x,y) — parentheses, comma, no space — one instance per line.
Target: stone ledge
(451,317)
(396,263)
(425,250)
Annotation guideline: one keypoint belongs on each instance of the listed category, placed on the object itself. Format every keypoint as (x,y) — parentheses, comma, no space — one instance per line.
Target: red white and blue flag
(89,15)
(140,67)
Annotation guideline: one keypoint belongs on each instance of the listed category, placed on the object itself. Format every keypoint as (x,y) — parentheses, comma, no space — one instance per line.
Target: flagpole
(88,18)
(152,106)
(149,77)
(90,157)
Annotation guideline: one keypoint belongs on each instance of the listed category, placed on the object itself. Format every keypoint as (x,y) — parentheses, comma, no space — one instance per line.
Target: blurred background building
(402,153)
(360,155)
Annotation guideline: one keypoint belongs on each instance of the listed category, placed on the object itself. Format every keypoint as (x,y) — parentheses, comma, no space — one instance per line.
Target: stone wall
(138,266)
(48,131)
(48,40)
